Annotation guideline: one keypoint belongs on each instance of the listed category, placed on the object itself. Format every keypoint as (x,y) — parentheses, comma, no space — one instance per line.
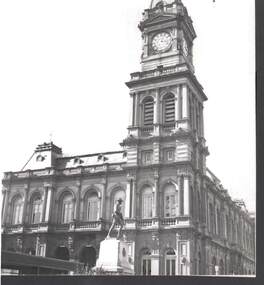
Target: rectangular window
(18,212)
(169,154)
(173,266)
(171,206)
(170,267)
(147,157)
(147,206)
(167,267)
(36,215)
(92,210)
(146,267)
(149,267)
(67,213)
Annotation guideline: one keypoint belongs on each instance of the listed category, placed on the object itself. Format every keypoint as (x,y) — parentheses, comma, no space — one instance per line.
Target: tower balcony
(160,71)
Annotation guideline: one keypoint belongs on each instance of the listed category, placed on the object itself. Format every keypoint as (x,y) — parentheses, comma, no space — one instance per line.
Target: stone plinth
(114,258)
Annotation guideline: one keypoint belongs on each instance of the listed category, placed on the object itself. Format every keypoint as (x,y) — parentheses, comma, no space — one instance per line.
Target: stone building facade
(179,219)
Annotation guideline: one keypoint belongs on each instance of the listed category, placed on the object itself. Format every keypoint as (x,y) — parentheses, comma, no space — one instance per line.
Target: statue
(117,219)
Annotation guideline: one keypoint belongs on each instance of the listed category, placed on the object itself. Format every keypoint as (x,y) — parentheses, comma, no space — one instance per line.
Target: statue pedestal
(114,258)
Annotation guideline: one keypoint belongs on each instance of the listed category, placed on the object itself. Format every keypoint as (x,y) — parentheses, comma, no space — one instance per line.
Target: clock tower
(166,124)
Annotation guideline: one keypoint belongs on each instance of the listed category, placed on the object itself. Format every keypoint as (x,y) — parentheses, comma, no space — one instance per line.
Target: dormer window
(102,157)
(77,160)
(40,158)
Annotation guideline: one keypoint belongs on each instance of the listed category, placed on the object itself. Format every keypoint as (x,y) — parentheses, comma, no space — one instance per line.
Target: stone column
(25,206)
(156,108)
(177,102)
(156,120)
(155,260)
(6,193)
(128,198)
(156,196)
(3,202)
(44,204)
(137,110)
(186,193)
(132,110)
(134,199)
(202,121)
(78,201)
(181,195)
(103,202)
(185,102)
(49,203)
(179,91)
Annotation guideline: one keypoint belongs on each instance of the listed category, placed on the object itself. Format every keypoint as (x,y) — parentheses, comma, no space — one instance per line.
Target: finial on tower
(50,137)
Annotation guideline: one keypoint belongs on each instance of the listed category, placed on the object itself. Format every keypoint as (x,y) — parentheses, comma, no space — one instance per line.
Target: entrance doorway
(62,253)
(88,256)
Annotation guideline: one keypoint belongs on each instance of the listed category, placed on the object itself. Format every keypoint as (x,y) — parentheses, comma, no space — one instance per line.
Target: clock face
(161,42)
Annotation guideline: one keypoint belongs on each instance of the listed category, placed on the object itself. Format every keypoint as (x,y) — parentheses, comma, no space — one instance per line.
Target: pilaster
(45,196)
(185,102)
(103,201)
(130,197)
(134,198)
(78,200)
(6,193)
(186,195)
(25,206)
(156,194)
(49,202)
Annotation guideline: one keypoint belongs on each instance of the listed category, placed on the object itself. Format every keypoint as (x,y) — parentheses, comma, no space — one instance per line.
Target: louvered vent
(169,109)
(148,112)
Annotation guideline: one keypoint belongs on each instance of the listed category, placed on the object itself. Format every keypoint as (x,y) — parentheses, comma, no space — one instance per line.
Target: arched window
(119,194)
(67,209)
(36,212)
(17,210)
(92,207)
(148,112)
(147,202)
(146,262)
(171,201)
(169,109)
(170,262)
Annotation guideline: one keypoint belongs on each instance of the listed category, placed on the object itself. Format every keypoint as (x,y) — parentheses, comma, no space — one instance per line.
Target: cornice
(160,78)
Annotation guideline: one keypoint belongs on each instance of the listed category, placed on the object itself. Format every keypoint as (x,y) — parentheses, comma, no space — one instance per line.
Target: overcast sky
(63,65)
